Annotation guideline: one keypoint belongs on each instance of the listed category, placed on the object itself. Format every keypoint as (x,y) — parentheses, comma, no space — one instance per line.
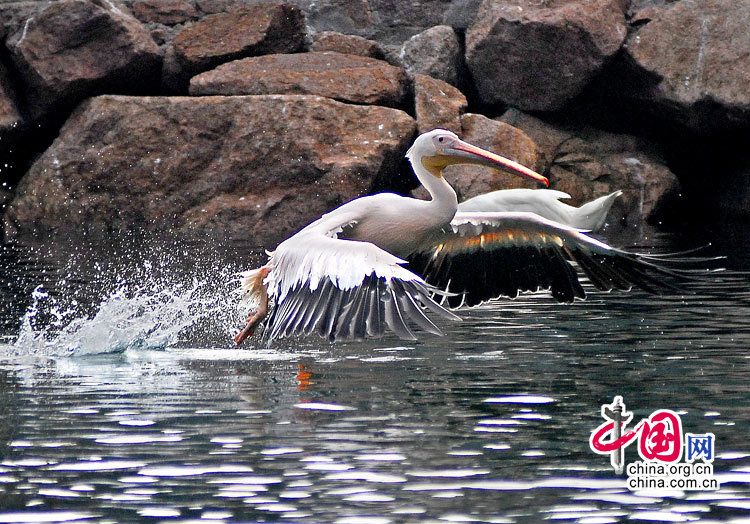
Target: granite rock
(347,44)
(539,56)
(255,167)
(691,63)
(72,49)
(349,78)
(437,105)
(222,37)
(435,52)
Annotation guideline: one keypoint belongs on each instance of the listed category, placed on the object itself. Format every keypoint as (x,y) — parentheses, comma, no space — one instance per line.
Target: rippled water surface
(123,400)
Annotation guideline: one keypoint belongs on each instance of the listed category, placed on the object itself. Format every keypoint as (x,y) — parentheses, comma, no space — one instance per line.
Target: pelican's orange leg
(252,321)
(256,317)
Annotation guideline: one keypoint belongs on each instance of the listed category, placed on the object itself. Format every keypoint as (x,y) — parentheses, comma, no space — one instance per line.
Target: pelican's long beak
(469,154)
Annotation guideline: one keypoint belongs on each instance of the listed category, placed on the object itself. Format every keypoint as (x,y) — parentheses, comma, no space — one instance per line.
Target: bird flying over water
(388,262)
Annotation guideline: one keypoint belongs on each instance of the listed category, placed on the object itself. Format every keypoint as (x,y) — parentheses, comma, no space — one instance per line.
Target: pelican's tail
(252,288)
(591,215)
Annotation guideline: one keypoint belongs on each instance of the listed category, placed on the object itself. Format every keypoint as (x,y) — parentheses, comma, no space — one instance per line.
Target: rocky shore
(251,118)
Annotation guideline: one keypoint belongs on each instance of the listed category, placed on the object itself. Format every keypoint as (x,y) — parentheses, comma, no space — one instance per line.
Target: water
(123,400)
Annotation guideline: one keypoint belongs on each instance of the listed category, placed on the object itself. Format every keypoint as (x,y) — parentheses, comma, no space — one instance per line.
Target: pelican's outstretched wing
(488,255)
(545,203)
(344,289)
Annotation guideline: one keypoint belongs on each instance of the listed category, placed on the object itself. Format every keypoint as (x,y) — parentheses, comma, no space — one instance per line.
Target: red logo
(659,436)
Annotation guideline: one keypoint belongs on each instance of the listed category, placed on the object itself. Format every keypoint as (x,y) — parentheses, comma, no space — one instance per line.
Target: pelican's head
(438,149)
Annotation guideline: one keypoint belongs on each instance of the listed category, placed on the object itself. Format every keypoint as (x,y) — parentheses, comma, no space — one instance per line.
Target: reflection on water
(124,401)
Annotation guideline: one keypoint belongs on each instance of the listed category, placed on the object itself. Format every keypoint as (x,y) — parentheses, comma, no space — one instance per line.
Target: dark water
(122,400)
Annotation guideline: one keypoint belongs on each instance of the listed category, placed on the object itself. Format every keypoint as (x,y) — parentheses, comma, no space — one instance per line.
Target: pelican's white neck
(443,195)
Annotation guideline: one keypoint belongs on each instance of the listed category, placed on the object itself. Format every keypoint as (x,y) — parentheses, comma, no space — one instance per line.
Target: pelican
(545,203)
(389,262)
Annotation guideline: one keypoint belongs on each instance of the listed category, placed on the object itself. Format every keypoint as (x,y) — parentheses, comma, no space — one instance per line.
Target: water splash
(128,318)
(148,306)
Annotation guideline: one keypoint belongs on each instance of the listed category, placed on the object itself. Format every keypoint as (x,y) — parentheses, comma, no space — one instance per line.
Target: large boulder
(387,21)
(167,12)
(349,78)
(347,44)
(501,138)
(437,105)
(460,14)
(345,16)
(692,63)
(76,48)
(435,52)
(243,31)
(540,55)
(258,167)
(587,163)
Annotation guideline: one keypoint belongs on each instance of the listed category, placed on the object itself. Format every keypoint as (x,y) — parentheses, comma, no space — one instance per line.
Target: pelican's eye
(441,142)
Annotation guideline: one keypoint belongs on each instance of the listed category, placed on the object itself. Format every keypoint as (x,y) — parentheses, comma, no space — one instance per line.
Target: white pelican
(545,203)
(344,275)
